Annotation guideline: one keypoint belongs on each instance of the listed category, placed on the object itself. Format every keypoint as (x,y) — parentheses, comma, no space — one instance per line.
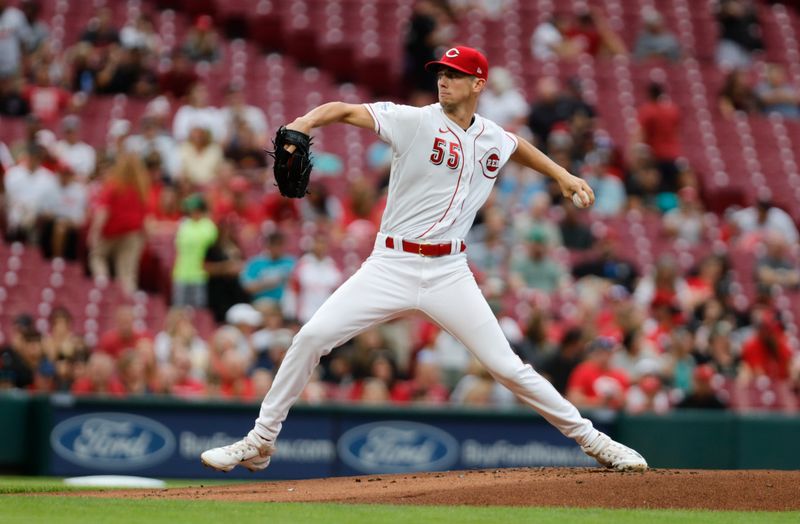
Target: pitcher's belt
(426,250)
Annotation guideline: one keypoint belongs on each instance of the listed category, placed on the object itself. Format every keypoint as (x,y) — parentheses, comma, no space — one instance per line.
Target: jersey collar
(473,128)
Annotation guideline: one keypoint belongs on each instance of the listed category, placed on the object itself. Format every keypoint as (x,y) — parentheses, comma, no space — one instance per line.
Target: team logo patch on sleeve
(490,163)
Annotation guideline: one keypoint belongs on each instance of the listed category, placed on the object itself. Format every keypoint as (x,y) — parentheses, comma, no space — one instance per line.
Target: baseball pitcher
(445,159)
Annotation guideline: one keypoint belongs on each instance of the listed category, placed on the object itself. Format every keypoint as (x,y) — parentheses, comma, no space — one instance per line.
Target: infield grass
(52,509)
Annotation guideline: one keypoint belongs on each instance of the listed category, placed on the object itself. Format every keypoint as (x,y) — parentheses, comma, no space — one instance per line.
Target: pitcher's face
(456,87)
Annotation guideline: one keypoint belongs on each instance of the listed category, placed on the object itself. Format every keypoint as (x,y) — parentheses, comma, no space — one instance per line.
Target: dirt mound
(715,490)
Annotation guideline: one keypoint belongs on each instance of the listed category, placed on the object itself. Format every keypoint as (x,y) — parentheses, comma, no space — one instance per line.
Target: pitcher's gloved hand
(292,167)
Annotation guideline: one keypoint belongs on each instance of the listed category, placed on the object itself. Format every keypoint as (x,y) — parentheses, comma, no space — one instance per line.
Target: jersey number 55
(439,151)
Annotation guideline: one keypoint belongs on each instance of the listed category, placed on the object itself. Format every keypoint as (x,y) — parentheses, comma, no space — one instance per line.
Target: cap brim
(434,66)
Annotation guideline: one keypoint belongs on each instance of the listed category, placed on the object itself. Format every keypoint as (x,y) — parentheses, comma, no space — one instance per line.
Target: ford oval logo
(397,447)
(112,441)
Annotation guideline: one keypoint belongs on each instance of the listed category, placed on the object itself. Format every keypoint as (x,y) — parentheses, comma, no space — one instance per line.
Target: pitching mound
(714,490)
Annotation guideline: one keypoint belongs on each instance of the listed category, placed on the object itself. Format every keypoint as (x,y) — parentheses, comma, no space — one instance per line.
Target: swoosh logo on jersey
(445,130)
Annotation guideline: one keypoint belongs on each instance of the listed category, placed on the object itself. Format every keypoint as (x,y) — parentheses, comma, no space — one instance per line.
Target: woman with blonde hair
(118,223)
(180,333)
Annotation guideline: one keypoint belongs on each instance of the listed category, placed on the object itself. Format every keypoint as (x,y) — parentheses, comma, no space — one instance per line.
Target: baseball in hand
(580,199)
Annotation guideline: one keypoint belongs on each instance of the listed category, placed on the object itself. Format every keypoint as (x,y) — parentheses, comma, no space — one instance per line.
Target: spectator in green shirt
(537,270)
(196,233)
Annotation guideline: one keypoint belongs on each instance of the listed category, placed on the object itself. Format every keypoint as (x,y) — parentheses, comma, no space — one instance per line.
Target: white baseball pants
(390,282)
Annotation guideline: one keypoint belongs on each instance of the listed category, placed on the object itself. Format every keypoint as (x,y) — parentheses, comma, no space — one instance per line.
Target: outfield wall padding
(162,437)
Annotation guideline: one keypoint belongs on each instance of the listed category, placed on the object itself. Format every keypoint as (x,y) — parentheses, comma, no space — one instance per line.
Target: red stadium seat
(268,32)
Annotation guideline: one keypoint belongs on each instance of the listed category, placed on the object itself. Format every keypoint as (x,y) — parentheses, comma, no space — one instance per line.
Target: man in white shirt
(445,159)
(14,31)
(25,185)
(150,141)
(253,116)
(78,155)
(548,42)
(503,102)
(758,220)
(198,113)
(63,214)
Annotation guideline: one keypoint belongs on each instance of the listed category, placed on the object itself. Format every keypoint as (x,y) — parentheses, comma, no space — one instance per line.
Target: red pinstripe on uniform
(513,139)
(374,117)
(474,145)
(458,182)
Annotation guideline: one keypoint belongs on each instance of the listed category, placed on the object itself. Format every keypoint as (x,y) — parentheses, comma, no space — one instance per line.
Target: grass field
(25,485)
(17,506)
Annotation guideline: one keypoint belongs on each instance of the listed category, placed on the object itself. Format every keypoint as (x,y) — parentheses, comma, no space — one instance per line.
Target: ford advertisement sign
(112,441)
(397,447)
(166,439)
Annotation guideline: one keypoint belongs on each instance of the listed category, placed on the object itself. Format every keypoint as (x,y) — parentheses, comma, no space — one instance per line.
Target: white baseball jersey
(441,174)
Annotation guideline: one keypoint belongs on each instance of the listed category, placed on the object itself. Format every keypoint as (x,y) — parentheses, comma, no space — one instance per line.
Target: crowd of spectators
(608,331)
(567,35)
(747,88)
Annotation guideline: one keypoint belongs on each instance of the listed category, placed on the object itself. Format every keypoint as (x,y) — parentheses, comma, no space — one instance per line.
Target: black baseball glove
(292,170)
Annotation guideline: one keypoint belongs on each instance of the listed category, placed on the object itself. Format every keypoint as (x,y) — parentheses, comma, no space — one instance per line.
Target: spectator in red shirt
(280,210)
(666,316)
(592,34)
(117,227)
(594,383)
(584,33)
(99,378)
(45,100)
(233,380)
(180,78)
(163,206)
(766,353)
(230,200)
(183,384)
(123,335)
(659,128)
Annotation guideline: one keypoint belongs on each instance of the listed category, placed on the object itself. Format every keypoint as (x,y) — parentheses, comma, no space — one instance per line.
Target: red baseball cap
(204,22)
(703,372)
(464,59)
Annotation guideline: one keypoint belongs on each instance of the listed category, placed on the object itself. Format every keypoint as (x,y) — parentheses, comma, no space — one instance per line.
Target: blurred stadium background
(147,253)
